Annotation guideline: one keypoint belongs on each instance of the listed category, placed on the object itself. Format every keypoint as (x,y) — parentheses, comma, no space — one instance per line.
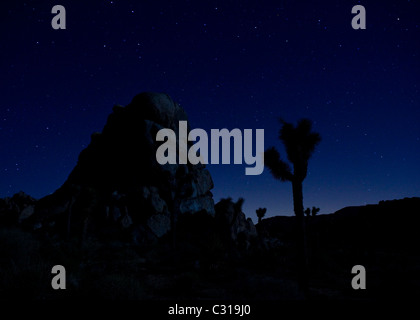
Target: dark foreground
(383,238)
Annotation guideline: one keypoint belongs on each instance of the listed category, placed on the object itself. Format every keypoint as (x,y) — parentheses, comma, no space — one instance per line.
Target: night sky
(230,64)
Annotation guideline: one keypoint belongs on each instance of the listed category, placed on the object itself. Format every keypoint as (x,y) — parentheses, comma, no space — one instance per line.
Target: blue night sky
(230,64)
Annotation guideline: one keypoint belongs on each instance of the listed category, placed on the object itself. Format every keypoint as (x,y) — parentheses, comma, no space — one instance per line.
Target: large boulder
(117,182)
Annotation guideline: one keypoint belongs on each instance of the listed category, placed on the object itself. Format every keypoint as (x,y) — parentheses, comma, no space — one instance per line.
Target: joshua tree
(261,213)
(300,142)
(314,211)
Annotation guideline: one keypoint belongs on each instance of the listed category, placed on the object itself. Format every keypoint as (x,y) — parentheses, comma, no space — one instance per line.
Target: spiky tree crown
(261,212)
(300,143)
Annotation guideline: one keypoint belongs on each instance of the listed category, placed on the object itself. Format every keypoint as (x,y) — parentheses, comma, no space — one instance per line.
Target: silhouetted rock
(117,182)
(231,218)
(17,208)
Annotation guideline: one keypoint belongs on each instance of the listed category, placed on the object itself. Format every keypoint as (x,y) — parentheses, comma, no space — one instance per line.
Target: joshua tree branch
(278,168)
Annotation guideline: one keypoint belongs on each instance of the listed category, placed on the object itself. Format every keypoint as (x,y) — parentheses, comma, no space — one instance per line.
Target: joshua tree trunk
(301,234)
(259,220)
(300,142)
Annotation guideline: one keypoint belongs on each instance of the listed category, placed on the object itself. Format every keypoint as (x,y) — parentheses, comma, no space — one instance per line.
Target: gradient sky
(233,64)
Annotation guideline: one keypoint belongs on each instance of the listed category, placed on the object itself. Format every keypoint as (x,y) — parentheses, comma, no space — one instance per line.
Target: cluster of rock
(239,229)
(15,209)
(118,186)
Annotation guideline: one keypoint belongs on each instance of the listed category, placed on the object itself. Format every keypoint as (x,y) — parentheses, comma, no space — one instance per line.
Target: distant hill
(385,210)
(383,237)
(391,222)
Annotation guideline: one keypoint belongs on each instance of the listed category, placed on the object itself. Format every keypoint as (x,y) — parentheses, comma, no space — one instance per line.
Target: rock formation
(17,208)
(118,190)
(117,181)
(229,216)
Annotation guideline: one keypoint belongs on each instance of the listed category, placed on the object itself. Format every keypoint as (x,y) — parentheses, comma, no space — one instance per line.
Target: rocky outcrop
(117,182)
(118,189)
(17,208)
(229,216)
